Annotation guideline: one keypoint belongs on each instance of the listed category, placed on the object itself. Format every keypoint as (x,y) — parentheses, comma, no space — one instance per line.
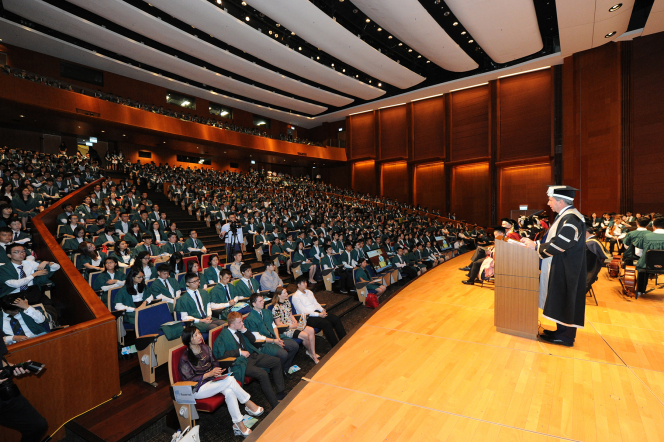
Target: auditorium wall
(430,186)
(394,180)
(523,185)
(468,183)
(364,177)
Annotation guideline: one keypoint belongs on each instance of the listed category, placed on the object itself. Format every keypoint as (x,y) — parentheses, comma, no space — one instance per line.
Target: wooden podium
(516,290)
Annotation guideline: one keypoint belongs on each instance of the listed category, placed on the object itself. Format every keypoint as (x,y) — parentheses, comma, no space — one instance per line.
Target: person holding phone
(197,365)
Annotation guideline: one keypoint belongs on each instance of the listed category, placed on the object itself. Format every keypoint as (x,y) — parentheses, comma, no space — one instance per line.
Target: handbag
(188,435)
(371,301)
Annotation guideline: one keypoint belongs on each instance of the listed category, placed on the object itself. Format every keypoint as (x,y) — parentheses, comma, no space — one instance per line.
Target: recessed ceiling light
(357,76)
(400,44)
(276,35)
(380,29)
(292,33)
(343,70)
(278,25)
(389,37)
(471,41)
(244,3)
(614,8)
(463,33)
(380,84)
(456,23)
(332,64)
(317,57)
(270,32)
(410,50)
(22,117)
(367,20)
(218,2)
(103,131)
(369,81)
(123,135)
(447,13)
(164,142)
(610,34)
(246,18)
(419,56)
(299,48)
(428,61)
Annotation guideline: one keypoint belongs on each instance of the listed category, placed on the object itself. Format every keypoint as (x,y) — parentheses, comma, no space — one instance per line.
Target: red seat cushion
(210,404)
(247,380)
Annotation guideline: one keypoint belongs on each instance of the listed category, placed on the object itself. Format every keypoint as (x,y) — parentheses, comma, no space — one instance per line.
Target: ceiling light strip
(469,87)
(524,72)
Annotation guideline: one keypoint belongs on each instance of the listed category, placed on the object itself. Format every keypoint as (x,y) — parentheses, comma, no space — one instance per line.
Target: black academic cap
(565,192)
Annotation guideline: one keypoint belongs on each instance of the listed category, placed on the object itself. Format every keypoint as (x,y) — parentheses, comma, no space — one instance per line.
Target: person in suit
(632,254)
(165,287)
(236,341)
(18,235)
(20,321)
(98,227)
(193,245)
(172,245)
(195,304)
(247,285)
(63,218)
(198,365)
(143,222)
(107,238)
(260,321)
(224,295)
(401,263)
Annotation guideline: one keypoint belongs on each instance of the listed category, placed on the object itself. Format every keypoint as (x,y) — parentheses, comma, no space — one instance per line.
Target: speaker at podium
(516,289)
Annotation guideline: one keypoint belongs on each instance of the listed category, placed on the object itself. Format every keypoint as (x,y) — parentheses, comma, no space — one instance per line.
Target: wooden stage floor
(430,366)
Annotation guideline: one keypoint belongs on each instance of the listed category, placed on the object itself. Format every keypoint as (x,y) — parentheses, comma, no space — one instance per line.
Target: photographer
(15,410)
(231,232)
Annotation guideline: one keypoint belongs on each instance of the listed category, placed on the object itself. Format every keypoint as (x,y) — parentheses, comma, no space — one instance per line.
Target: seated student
(163,222)
(98,227)
(282,312)
(329,261)
(112,277)
(193,267)
(123,254)
(632,254)
(615,234)
(193,245)
(20,321)
(134,238)
(164,286)
(237,264)
(175,264)
(72,223)
(122,226)
(197,365)
(25,206)
(277,249)
(157,234)
(305,263)
(194,304)
(107,238)
(429,253)
(134,294)
(413,260)
(143,262)
(270,279)
(18,235)
(63,218)
(91,258)
(247,285)
(347,259)
(143,222)
(84,211)
(224,295)
(362,275)
(475,268)
(305,303)
(404,267)
(651,241)
(261,323)
(288,246)
(418,252)
(73,243)
(211,274)
(172,245)
(172,227)
(150,248)
(262,240)
(235,341)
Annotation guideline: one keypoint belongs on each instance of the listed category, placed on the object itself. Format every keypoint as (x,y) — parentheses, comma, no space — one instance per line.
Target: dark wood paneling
(523,185)
(364,177)
(470,188)
(394,178)
(470,123)
(429,128)
(363,140)
(525,115)
(430,186)
(648,124)
(393,133)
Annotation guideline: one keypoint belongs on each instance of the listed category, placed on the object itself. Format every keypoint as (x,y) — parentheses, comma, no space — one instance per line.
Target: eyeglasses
(139,277)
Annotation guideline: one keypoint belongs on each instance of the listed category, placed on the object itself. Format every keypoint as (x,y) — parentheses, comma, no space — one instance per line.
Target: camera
(8,389)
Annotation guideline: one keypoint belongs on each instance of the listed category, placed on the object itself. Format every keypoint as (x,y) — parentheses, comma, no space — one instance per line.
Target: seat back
(111,298)
(655,261)
(257,277)
(149,282)
(205,260)
(58,231)
(174,355)
(150,318)
(189,258)
(290,299)
(213,334)
(45,324)
(179,276)
(92,277)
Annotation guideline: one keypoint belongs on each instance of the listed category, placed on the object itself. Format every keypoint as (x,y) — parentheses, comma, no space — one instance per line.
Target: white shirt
(7,328)
(138,297)
(29,267)
(118,284)
(207,309)
(147,272)
(305,303)
(238,238)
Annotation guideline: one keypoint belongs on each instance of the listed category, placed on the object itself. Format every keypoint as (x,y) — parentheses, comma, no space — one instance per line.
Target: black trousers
(20,415)
(641,282)
(475,269)
(287,353)
(346,279)
(329,324)
(409,271)
(255,364)
(565,333)
(230,250)
(612,246)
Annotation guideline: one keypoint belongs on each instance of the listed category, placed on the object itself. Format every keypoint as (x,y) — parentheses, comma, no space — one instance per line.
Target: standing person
(231,233)
(317,317)
(562,290)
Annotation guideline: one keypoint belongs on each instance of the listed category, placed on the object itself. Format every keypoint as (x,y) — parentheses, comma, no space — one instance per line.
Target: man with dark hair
(143,222)
(172,245)
(476,265)
(20,321)
(261,323)
(193,245)
(401,263)
(651,241)
(224,295)
(247,285)
(631,238)
(236,341)
(194,304)
(164,287)
(563,269)
(305,303)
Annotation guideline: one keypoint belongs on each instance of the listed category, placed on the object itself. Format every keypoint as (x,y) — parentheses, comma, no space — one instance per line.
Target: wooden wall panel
(429,128)
(470,190)
(429,186)
(525,115)
(394,181)
(523,185)
(364,177)
(470,123)
(363,136)
(393,133)
(648,124)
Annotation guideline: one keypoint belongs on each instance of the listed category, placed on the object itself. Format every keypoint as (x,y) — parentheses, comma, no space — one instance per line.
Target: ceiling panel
(136,20)
(216,22)
(55,18)
(24,37)
(655,21)
(506,30)
(318,29)
(412,24)
(613,25)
